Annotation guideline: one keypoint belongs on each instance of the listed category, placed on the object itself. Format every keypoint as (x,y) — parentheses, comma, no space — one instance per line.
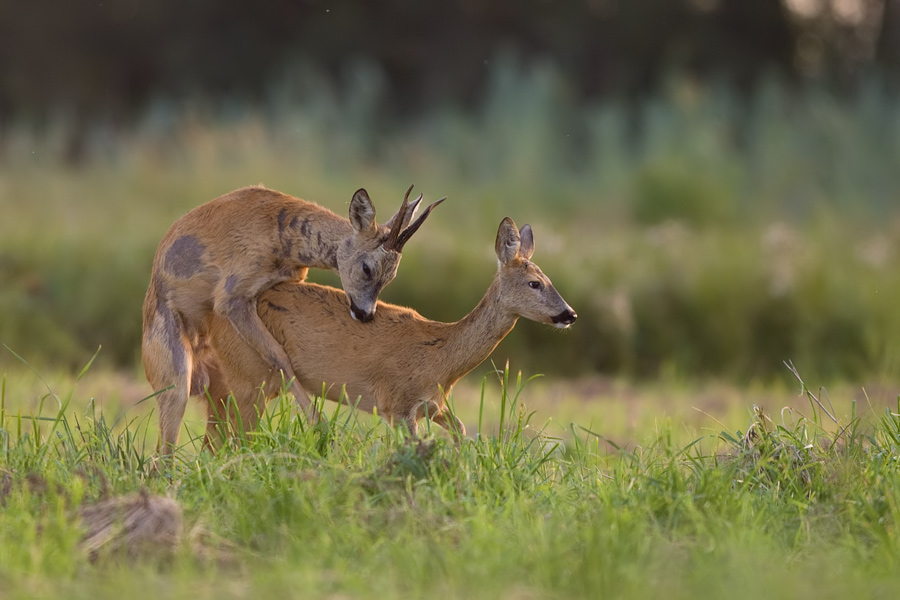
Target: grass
(700,236)
(792,505)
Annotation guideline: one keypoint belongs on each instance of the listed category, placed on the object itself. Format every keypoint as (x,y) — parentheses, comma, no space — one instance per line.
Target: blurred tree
(888,50)
(107,57)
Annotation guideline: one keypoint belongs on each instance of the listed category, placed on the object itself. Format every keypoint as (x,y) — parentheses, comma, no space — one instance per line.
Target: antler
(398,221)
(404,237)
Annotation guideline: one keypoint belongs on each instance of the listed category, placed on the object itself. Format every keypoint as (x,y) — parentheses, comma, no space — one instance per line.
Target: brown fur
(218,258)
(401,363)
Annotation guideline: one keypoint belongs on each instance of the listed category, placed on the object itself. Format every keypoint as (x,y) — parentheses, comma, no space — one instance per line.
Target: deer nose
(359,314)
(565,318)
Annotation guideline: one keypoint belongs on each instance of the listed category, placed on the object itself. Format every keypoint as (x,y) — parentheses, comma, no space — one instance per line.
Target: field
(787,504)
(667,450)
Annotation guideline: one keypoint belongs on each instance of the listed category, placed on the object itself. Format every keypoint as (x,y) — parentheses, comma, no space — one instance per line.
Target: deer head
(524,289)
(368,260)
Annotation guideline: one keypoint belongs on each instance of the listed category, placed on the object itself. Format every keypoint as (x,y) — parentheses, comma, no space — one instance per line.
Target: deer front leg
(451,423)
(439,414)
(241,313)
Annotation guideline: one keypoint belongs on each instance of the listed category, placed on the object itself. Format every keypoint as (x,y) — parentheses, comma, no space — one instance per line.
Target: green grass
(786,506)
(702,237)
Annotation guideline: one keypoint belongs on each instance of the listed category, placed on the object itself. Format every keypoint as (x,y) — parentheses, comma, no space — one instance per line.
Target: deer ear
(507,244)
(526,242)
(362,211)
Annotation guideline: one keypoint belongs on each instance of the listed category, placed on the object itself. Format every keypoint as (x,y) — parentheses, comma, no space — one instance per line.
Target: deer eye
(535,285)
(367,270)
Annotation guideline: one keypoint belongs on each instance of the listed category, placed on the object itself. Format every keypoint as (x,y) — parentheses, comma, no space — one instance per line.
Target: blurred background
(713,184)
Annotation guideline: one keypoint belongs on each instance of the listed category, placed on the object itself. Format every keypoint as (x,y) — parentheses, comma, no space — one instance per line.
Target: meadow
(790,504)
(705,238)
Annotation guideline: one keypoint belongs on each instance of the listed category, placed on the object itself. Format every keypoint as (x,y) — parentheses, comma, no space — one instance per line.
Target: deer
(401,365)
(217,259)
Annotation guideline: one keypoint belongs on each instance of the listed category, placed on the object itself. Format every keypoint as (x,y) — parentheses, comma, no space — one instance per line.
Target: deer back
(252,238)
(328,348)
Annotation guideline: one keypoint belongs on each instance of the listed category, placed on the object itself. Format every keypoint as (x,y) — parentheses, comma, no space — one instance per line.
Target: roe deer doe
(401,363)
(218,258)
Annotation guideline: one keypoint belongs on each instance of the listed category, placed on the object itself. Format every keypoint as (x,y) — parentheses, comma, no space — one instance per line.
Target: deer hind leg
(243,317)
(232,408)
(216,420)
(167,361)
(216,395)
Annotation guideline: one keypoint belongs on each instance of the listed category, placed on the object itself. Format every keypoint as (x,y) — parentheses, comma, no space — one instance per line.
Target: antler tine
(404,237)
(413,207)
(391,242)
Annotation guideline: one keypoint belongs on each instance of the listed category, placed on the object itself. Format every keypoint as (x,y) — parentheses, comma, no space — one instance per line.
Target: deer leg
(216,395)
(412,425)
(233,407)
(243,317)
(216,429)
(451,423)
(167,361)
(439,414)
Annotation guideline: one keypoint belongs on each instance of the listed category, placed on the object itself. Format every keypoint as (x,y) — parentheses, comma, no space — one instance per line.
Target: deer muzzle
(361,315)
(565,318)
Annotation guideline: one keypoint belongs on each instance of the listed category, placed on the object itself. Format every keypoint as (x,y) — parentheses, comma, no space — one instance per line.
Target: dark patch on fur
(274,306)
(439,342)
(172,328)
(236,309)
(184,257)
(331,255)
(294,222)
(162,291)
(171,325)
(305,228)
(400,317)
(230,283)
(282,217)
(287,247)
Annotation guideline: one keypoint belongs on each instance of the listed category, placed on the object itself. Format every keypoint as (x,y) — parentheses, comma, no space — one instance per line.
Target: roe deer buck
(218,258)
(401,363)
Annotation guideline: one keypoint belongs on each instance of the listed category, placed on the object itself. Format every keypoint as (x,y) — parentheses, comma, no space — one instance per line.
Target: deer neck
(472,339)
(316,239)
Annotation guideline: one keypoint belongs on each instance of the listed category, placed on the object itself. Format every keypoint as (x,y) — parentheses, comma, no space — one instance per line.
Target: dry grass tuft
(131,526)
